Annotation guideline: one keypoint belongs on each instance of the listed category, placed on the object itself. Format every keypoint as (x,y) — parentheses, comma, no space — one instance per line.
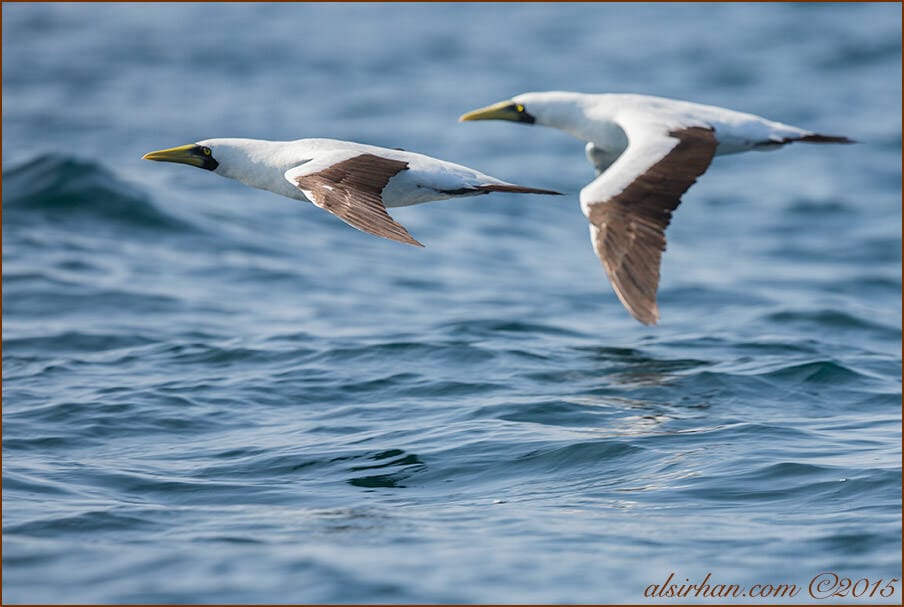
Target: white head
(255,162)
(552,108)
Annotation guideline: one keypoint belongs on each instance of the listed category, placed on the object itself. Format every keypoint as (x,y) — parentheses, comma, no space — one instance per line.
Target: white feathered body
(604,119)
(626,132)
(273,166)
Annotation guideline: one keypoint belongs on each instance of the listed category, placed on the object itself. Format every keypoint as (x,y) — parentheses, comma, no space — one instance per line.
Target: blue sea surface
(214,394)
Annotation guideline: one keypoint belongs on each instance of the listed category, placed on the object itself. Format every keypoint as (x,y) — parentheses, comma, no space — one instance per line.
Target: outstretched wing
(351,190)
(630,205)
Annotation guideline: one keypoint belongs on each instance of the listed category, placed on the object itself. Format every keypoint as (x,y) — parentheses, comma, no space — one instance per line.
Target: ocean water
(211,393)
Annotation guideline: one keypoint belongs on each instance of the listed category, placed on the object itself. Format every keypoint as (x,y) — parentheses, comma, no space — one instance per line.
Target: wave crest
(72,188)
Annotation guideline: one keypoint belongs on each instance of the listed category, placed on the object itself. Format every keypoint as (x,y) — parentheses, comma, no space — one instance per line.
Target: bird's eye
(519,108)
(205,151)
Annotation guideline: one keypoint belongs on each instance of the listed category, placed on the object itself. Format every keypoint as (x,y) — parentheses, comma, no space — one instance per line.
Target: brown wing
(351,191)
(628,229)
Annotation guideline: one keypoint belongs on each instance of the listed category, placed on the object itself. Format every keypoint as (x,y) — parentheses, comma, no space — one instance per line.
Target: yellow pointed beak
(504,110)
(184,154)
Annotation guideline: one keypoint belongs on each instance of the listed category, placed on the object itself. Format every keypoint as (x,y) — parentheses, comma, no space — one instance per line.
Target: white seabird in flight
(647,152)
(353,181)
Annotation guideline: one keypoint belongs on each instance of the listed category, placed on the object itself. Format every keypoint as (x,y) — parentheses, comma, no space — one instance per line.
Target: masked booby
(647,152)
(353,181)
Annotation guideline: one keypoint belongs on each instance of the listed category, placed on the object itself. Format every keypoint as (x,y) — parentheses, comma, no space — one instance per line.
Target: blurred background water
(215,394)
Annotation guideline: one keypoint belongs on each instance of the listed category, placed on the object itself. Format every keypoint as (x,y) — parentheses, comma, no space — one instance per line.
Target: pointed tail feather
(517,189)
(817,138)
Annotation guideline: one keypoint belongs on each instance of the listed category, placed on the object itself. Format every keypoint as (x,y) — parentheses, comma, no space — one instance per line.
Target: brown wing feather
(628,230)
(351,190)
